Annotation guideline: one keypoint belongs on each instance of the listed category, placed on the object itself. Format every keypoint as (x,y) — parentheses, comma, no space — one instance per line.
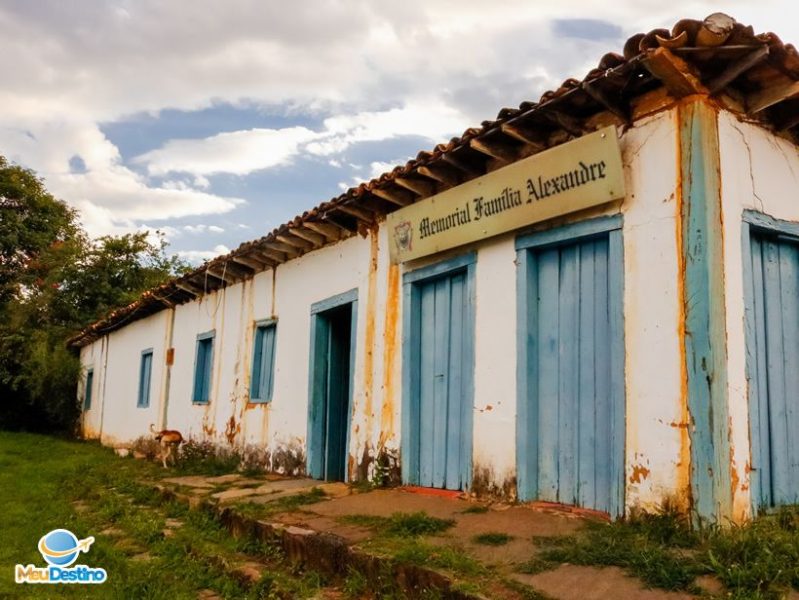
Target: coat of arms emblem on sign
(403,236)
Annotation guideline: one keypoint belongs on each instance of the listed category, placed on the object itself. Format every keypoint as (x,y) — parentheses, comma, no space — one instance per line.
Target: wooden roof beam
(417,186)
(292,240)
(773,94)
(189,287)
(289,251)
(249,262)
(329,230)
(462,165)
(439,173)
(395,196)
(316,239)
(494,149)
(602,97)
(523,134)
(273,256)
(359,213)
(675,74)
(223,273)
(736,69)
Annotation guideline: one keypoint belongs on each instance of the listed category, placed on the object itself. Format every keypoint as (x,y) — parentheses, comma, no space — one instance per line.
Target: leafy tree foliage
(54,281)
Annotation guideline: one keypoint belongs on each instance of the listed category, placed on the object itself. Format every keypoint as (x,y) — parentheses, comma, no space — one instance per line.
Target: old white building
(591,300)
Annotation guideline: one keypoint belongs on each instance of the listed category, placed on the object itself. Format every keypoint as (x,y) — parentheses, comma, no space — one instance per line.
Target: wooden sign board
(576,175)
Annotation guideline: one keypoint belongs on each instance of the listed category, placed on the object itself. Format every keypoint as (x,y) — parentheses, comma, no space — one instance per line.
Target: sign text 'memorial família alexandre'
(576,175)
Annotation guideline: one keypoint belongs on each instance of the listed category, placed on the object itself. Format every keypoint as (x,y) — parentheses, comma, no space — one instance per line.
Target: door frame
(755,221)
(317,383)
(526,369)
(411,354)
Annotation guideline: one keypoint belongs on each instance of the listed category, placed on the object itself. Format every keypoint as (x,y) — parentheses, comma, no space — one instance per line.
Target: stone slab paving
(572,582)
(194,481)
(233,494)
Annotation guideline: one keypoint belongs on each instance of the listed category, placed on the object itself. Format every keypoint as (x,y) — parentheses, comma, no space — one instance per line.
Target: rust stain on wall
(369,342)
(640,472)
(232,429)
(390,343)
(684,464)
(485,484)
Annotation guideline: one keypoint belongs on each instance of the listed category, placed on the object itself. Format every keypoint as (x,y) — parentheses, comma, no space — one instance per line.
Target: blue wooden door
(440,403)
(575,411)
(774,374)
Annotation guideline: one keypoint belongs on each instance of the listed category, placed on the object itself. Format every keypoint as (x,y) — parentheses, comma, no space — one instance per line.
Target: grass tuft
(492,538)
(402,524)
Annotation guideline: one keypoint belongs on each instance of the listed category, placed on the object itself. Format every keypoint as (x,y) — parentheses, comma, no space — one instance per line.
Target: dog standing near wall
(170,441)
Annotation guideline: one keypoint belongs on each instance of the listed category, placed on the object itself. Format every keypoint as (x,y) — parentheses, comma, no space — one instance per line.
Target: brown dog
(169,440)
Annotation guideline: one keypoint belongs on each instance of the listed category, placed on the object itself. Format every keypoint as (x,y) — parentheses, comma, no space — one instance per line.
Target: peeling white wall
(759,172)
(92,356)
(657,451)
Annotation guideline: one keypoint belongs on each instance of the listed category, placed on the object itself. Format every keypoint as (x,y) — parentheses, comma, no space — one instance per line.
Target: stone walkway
(522,523)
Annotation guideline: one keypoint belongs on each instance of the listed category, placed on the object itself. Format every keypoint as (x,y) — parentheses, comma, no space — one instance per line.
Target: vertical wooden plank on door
(567,382)
(411,386)
(763,465)
(548,305)
(618,408)
(776,375)
(426,380)
(789,303)
(602,334)
(455,391)
(587,398)
(440,381)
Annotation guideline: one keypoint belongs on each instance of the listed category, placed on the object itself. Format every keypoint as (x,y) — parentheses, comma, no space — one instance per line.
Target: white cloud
(202,228)
(237,152)
(111,197)
(196,257)
(245,151)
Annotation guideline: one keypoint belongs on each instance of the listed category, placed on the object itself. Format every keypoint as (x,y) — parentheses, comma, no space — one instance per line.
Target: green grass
(40,480)
(755,561)
(281,505)
(493,538)
(401,524)
(477,509)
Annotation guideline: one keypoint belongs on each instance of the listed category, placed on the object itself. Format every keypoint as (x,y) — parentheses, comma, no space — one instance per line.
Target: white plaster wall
(657,446)
(759,172)
(122,420)
(92,356)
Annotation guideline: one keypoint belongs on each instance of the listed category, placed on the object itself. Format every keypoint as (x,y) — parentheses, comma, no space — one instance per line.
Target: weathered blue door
(573,421)
(774,369)
(438,451)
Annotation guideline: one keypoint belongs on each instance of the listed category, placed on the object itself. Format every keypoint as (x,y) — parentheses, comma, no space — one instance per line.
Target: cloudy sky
(217,121)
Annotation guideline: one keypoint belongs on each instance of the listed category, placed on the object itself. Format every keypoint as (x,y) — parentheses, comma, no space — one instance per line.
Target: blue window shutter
(87,397)
(202,368)
(263,362)
(145,376)
(255,383)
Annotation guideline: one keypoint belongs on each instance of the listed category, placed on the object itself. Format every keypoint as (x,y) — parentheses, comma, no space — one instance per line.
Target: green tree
(54,281)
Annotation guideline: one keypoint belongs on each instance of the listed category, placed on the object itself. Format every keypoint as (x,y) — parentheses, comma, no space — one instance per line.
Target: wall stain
(232,429)
(390,342)
(369,341)
(485,485)
(639,473)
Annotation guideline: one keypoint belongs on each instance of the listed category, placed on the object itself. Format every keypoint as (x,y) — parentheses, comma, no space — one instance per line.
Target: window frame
(203,340)
(143,399)
(87,391)
(260,390)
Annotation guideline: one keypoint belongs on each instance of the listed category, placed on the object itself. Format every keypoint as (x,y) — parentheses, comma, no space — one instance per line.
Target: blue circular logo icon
(59,547)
